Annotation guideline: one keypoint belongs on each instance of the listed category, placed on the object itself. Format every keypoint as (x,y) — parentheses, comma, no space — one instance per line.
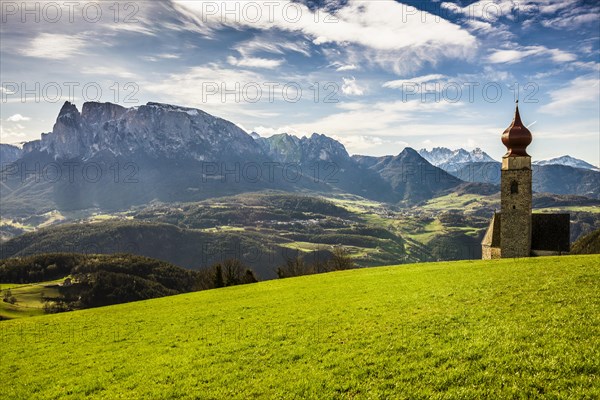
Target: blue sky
(376,75)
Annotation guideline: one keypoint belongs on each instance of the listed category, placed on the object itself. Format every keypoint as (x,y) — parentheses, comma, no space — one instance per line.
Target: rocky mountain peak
(68,109)
(99,113)
(410,153)
(65,139)
(69,118)
(327,147)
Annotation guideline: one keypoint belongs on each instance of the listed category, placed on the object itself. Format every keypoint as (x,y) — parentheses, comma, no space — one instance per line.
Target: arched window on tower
(514,187)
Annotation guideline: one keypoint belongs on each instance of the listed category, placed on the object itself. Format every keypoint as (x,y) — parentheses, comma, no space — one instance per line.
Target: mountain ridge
(186,154)
(160,130)
(567,161)
(446,158)
(440,156)
(9,153)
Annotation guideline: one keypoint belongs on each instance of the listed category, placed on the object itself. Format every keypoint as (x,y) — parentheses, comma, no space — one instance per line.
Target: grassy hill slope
(588,244)
(526,328)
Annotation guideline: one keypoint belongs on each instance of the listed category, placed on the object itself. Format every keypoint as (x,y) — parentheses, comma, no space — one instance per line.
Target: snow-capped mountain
(449,159)
(567,161)
(441,156)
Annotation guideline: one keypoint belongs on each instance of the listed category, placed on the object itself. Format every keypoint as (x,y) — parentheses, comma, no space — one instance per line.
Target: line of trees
(297,266)
(230,272)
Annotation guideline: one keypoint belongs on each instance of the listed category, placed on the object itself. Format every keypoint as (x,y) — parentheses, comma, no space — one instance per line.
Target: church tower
(516,192)
(515,231)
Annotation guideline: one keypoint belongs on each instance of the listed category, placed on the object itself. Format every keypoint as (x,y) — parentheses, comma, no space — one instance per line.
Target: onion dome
(516,137)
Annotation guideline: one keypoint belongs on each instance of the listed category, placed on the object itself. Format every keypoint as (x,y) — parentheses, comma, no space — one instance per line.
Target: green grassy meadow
(507,329)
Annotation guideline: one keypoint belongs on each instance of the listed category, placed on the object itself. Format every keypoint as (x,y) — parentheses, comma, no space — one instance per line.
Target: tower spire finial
(517,119)
(516,137)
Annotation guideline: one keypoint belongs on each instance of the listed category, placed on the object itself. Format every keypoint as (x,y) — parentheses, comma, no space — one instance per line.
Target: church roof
(549,232)
(492,235)
(516,137)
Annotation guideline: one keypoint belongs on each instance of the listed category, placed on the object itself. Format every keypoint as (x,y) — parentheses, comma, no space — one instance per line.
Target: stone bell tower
(515,224)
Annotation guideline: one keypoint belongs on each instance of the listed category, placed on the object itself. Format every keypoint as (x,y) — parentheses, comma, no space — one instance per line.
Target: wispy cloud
(347,67)
(401,83)
(518,54)
(269,43)
(17,118)
(580,92)
(111,71)
(54,46)
(571,21)
(490,16)
(494,10)
(569,14)
(255,62)
(248,49)
(158,57)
